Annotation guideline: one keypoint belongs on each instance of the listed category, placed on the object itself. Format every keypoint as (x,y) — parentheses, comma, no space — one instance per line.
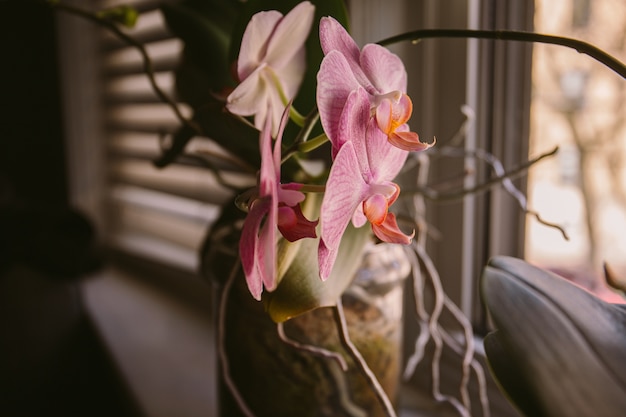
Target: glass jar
(276,379)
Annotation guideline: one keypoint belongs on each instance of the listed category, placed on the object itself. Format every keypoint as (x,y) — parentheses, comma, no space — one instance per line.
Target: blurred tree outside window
(580,106)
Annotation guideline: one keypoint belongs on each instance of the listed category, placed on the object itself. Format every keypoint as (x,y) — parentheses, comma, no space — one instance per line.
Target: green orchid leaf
(510,375)
(301,288)
(559,350)
(240,138)
(179,140)
(205,28)
(224,128)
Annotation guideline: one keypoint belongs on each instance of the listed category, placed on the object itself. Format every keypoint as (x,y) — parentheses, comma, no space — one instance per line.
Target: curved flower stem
(309,122)
(296,117)
(313,350)
(221,336)
(435,279)
(511,35)
(344,336)
(454,195)
(314,143)
(148,68)
(500,178)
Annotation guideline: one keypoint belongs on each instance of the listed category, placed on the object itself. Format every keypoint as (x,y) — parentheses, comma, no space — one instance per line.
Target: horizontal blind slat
(153,248)
(155,117)
(163,55)
(150,27)
(160,214)
(136,88)
(201,213)
(184,181)
(182,231)
(147,146)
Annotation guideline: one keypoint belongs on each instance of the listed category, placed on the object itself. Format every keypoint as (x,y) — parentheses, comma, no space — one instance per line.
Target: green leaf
(559,350)
(224,128)
(205,28)
(301,288)
(512,379)
(230,132)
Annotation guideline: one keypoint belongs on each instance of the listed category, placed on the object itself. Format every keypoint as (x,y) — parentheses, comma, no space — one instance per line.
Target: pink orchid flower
(377,70)
(359,186)
(277,206)
(271,64)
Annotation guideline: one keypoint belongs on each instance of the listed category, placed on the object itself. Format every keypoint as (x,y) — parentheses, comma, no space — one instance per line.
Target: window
(578,104)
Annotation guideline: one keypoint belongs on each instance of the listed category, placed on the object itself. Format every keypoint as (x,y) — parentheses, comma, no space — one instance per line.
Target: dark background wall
(52,361)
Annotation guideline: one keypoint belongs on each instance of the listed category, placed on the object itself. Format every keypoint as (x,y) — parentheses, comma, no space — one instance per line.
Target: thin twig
(344,336)
(314,350)
(434,330)
(506,182)
(474,364)
(148,67)
(422,316)
(511,35)
(221,345)
(485,186)
(303,135)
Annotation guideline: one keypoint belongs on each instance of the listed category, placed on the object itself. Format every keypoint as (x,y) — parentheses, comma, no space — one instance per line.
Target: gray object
(558,350)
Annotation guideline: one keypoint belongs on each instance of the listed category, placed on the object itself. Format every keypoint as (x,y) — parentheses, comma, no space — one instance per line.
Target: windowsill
(139,320)
(139,323)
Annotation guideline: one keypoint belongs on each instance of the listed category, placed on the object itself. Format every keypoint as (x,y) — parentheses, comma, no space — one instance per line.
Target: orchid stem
(148,67)
(511,35)
(296,117)
(221,344)
(342,325)
(312,188)
(309,122)
(313,350)
(432,194)
(312,144)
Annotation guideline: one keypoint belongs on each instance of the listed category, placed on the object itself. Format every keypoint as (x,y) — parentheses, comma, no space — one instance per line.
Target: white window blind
(158,213)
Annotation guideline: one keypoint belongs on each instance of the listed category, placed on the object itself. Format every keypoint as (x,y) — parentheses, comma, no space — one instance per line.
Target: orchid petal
(409,141)
(334,37)
(335,81)
(358,218)
(383,68)
(326,259)
(289,35)
(267,174)
(384,117)
(375,208)
(290,197)
(266,249)
(255,40)
(249,243)
(244,99)
(345,190)
(353,125)
(286,217)
(385,160)
(388,231)
(290,76)
(294,225)
(402,111)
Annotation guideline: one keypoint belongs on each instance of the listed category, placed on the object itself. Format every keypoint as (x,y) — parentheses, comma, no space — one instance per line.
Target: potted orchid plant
(324,196)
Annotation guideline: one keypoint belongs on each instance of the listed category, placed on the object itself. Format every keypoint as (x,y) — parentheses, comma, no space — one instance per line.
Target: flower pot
(276,379)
